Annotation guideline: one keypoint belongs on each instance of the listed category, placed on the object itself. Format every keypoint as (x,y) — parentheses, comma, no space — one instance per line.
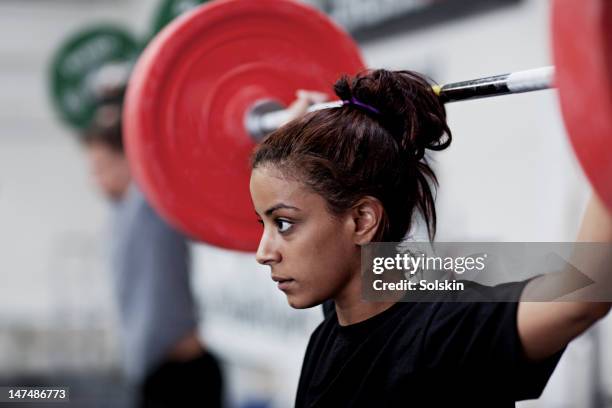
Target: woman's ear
(367,217)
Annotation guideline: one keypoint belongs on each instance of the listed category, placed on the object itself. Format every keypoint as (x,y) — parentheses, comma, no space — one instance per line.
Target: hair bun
(409,109)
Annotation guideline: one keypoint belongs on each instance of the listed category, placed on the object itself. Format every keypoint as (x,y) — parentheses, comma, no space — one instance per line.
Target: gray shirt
(150,265)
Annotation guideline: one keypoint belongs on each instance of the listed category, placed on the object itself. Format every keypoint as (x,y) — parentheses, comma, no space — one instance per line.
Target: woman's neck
(351,308)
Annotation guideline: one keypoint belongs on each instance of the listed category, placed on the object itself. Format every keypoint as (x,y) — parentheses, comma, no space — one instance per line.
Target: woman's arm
(547,327)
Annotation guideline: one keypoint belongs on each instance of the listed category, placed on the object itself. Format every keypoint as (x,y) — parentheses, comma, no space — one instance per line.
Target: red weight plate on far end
(187,99)
(583,51)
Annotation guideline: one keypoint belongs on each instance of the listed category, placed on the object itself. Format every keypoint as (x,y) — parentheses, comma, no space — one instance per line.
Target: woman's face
(312,254)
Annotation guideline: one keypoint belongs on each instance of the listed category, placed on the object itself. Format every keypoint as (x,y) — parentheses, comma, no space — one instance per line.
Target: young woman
(336,179)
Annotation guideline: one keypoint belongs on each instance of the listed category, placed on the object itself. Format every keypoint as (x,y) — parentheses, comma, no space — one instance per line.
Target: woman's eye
(283,226)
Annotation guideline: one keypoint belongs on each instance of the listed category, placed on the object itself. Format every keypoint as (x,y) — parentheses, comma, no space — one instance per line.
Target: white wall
(508,154)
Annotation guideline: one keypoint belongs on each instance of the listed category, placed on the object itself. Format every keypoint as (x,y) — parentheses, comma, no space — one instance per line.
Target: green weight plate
(168,10)
(77,60)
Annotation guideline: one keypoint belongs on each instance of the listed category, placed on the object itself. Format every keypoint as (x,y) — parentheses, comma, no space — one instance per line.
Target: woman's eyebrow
(279,206)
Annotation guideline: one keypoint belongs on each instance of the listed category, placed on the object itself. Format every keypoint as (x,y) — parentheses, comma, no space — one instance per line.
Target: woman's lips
(284,285)
(282,282)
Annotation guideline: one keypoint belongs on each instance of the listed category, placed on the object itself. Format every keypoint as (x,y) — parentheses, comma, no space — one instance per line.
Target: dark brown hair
(105,128)
(349,152)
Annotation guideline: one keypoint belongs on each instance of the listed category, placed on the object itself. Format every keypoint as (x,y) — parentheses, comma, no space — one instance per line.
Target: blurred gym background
(510,175)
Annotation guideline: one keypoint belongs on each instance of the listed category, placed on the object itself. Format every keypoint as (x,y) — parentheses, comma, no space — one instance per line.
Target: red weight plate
(187,99)
(583,52)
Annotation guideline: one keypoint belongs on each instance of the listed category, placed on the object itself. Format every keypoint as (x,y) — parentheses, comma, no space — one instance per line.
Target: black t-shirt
(426,354)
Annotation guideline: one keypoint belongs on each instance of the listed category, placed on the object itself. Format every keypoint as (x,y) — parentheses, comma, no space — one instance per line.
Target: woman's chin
(301,303)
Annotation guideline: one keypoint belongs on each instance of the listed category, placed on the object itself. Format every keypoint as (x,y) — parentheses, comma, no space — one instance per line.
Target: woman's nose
(267,253)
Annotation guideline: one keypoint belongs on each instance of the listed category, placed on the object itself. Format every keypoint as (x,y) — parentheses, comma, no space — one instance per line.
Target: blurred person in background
(163,357)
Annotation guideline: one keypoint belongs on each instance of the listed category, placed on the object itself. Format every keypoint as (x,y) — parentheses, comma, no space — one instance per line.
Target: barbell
(215,81)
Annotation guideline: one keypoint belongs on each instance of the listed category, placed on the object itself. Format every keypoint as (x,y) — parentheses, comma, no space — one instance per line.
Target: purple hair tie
(356,102)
